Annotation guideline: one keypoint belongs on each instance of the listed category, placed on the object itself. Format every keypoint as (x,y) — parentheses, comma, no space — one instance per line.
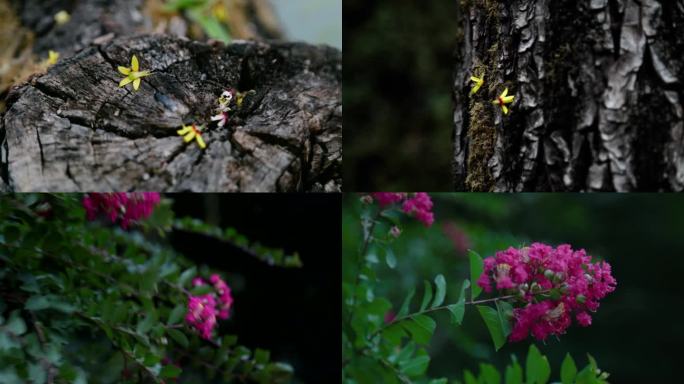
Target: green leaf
(37,374)
(186,276)
(201,290)
(491,319)
(537,367)
(514,374)
(469,378)
(440,291)
(176,314)
(38,303)
(420,327)
(458,310)
(146,324)
(417,366)
(505,313)
(403,311)
(390,259)
(476,268)
(568,370)
(427,296)
(489,374)
(212,27)
(178,336)
(393,334)
(15,324)
(261,356)
(170,372)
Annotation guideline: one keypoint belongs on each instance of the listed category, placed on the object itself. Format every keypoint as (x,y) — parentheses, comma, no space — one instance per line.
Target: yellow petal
(504,93)
(184,130)
(53,57)
(188,138)
(476,88)
(136,84)
(124,70)
(125,82)
(135,66)
(201,142)
(505,109)
(508,99)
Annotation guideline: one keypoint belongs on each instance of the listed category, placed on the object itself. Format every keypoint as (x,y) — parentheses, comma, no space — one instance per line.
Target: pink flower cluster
(125,207)
(204,309)
(418,205)
(551,286)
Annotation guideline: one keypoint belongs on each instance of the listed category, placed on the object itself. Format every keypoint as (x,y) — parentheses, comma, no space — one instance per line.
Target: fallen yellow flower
(53,57)
(133,74)
(503,99)
(190,132)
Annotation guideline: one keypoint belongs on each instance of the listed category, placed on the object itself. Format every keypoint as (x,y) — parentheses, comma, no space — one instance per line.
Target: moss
(481,136)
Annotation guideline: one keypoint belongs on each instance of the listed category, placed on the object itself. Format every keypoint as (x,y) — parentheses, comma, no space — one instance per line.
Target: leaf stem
(435,309)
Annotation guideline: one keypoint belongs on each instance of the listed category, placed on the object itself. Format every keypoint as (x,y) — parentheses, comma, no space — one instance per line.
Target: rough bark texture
(598,96)
(74,129)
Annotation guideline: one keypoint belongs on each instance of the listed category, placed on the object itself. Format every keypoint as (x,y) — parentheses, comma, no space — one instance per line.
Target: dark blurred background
(398,63)
(636,332)
(295,313)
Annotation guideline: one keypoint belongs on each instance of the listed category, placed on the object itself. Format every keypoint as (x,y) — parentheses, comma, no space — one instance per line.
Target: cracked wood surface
(599,96)
(74,129)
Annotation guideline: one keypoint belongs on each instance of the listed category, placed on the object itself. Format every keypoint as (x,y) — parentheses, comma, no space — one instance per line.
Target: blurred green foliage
(637,326)
(87,302)
(397,93)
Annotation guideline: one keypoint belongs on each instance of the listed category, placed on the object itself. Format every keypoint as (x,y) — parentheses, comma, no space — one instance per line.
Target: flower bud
(536,288)
(558,277)
(548,274)
(564,288)
(366,199)
(524,287)
(581,299)
(395,231)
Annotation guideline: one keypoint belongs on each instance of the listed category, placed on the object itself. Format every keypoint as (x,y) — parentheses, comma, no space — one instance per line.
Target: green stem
(435,309)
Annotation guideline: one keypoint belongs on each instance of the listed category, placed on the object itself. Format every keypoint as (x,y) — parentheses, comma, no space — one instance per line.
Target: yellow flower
(52,57)
(133,74)
(503,100)
(190,132)
(62,17)
(478,83)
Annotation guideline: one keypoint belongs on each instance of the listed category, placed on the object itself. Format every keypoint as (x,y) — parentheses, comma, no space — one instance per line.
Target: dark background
(636,333)
(293,312)
(398,64)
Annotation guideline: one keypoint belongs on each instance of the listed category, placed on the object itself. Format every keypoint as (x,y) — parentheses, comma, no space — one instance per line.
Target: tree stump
(74,129)
(598,86)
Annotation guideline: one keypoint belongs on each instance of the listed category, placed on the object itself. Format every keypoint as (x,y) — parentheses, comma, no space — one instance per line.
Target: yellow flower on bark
(53,57)
(192,132)
(133,74)
(478,83)
(504,99)
(62,17)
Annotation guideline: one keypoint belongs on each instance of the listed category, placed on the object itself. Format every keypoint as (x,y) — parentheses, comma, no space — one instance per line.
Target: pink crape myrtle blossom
(121,206)
(203,310)
(388,198)
(420,207)
(552,286)
(417,205)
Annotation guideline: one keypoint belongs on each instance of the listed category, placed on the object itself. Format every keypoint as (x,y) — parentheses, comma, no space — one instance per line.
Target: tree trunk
(598,96)
(74,129)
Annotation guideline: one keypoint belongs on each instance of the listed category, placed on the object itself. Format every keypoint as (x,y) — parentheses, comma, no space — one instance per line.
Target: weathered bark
(74,129)
(598,96)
